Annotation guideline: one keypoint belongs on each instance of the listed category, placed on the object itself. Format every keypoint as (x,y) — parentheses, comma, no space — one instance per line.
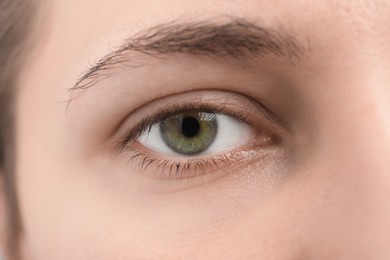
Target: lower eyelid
(185,169)
(165,167)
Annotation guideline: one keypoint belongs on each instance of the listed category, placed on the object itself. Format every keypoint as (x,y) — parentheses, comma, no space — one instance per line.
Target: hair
(15,22)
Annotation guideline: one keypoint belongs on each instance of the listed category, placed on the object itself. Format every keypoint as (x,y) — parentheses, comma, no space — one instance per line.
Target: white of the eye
(230,133)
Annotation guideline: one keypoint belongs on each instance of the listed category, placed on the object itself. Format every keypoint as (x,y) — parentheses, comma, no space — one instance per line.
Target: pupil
(190,127)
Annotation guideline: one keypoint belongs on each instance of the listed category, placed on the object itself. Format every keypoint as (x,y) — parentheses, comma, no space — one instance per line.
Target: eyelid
(265,144)
(208,168)
(238,106)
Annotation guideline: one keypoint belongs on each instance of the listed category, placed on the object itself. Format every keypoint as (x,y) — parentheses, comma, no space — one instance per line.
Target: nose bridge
(352,158)
(368,121)
(358,124)
(368,162)
(353,105)
(355,150)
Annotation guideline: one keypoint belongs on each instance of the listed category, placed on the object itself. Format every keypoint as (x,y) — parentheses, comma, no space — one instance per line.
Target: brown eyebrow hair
(238,39)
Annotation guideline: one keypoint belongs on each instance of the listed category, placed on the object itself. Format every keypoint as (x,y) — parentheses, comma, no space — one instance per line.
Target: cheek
(74,211)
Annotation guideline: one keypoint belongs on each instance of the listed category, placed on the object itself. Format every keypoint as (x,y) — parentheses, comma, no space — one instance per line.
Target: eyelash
(177,169)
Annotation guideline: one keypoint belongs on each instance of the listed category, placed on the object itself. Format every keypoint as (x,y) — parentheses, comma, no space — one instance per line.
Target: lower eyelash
(166,169)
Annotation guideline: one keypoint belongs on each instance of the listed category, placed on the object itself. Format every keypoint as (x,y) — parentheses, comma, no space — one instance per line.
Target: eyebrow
(238,39)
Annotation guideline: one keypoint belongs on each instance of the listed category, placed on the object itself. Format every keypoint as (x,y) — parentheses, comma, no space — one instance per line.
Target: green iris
(189,133)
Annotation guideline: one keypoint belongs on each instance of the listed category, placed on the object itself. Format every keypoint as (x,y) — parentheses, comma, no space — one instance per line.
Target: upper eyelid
(236,38)
(146,121)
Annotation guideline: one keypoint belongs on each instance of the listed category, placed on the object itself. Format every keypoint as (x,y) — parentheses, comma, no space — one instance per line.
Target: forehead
(132,15)
(79,33)
(90,28)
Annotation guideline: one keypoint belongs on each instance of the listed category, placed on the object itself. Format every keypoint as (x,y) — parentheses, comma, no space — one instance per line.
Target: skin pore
(299,166)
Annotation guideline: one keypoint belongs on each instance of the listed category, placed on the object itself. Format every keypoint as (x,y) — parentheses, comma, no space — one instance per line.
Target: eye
(204,133)
(196,133)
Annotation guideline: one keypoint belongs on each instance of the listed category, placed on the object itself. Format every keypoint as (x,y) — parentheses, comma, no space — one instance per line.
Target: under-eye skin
(197,135)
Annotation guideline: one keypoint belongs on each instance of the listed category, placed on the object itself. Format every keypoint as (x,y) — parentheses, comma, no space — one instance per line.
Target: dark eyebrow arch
(237,39)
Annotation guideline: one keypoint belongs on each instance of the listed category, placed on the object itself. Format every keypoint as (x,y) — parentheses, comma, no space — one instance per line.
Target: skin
(320,193)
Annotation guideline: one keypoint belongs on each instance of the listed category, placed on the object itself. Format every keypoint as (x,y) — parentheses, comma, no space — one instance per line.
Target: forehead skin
(76,204)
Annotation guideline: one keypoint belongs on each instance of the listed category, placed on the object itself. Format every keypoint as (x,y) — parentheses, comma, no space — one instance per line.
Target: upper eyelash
(146,123)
